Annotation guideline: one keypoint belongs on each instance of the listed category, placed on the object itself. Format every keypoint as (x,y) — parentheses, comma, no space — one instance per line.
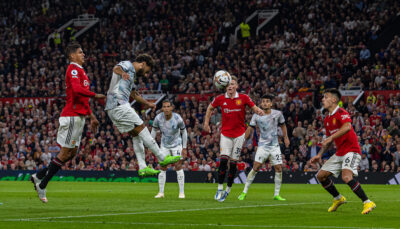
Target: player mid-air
(268,146)
(72,120)
(338,129)
(173,142)
(125,118)
(233,127)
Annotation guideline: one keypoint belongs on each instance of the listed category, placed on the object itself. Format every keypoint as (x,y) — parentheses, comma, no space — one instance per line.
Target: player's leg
(144,134)
(162,176)
(331,167)
(275,157)
(350,164)
(259,159)
(226,145)
(235,154)
(180,175)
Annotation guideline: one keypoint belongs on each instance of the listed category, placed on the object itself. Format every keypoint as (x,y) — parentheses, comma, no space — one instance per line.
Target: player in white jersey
(124,117)
(268,145)
(173,142)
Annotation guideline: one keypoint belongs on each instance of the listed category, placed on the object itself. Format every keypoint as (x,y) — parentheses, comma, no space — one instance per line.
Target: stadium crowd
(324,49)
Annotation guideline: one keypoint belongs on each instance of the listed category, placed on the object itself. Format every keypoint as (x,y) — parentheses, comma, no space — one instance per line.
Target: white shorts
(273,153)
(70,131)
(124,118)
(175,151)
(231,147)
(336,164)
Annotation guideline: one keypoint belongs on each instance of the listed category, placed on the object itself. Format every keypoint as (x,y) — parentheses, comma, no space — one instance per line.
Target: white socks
(338,197)
(228,189)
(139,151)
(150,143)
(249,180)
(180,175)
(162,177)
(220,186)
(278,182)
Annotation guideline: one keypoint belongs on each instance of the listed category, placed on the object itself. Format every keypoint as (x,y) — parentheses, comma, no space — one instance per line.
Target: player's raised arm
(206,127)
(78,89)
(257,110)
(118,70)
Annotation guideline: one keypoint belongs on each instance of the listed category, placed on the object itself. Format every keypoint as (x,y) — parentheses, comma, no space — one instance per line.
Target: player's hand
(326,142)
(315,159)
(94,125)
(287,142)
(259,111)
(125,76)
(184,154)
(99,96)
(151,105)
(206,128)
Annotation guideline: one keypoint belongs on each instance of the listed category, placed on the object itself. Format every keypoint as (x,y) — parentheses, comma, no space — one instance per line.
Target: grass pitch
(132,205)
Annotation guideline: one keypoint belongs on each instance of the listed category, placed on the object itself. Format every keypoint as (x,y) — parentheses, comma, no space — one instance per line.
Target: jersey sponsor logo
(346,116)
(85,83)
(238,102)
(226,110)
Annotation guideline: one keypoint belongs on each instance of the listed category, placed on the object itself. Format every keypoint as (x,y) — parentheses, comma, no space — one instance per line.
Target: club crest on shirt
(238,102)
(73,142)
(334,121)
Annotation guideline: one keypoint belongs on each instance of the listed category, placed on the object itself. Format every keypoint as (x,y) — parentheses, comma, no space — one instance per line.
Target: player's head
(144,63)
(233,85)
(331,98)
(266,101)
(167,107)
(75,53)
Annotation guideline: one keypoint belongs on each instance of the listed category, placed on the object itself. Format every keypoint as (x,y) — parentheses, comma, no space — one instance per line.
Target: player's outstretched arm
(136,96)
(184,143)
(257,110)
(248,132)
(94,123)
(206,126)
(118,70)
(346,127)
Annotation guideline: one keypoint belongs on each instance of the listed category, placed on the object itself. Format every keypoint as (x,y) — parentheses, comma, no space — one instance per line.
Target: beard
(140,72)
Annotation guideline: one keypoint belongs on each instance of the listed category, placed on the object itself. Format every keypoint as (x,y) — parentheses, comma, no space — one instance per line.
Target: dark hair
(167,101)
(71,48)
(334,92)
(268,96)
(145,58)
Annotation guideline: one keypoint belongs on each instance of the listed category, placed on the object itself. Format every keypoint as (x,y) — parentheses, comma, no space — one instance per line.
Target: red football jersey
(78,93)
(346,143)
(233,113)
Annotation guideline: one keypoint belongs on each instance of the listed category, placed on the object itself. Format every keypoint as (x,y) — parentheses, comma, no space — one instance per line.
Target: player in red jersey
(233,109)
(338,129)
(72,120)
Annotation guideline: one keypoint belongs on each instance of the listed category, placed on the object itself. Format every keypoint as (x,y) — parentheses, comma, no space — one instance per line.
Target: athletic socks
(223,166)
(180,175)
(356,187)
(330,187)
(250,178)
(41,173)
(278,182)
(139,151)
(150,143)
(232,173)
(54,166)
(162,176)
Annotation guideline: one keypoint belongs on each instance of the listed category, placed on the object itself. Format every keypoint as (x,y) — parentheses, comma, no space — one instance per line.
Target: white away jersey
(120,89)
(170,129)
(268,125)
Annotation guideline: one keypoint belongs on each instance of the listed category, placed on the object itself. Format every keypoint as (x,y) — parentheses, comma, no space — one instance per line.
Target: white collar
(334,111)
(236,95)
(76,64)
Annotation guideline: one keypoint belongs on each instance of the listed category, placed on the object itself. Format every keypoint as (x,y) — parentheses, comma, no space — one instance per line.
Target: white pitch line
(163,211)
(208,224)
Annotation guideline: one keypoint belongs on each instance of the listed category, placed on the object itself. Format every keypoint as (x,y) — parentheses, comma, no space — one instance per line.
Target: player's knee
(256,167)
(223,164)
(321,177)
(347,178)
(278,168)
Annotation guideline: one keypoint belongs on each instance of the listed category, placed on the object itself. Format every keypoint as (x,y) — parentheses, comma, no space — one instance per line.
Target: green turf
(130,205)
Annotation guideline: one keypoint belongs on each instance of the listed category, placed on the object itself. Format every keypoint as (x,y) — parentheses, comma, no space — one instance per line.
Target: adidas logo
(224,104)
